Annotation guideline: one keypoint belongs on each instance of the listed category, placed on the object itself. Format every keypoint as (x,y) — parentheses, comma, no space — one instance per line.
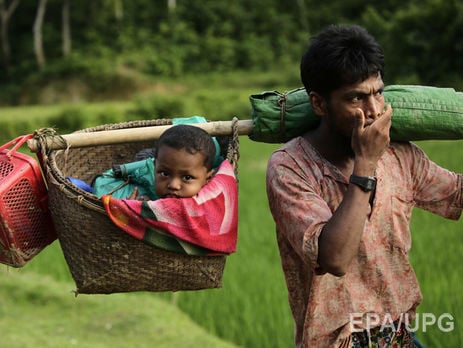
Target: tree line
(423,39)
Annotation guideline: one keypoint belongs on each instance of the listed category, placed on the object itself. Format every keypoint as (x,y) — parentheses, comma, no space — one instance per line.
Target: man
(342,195)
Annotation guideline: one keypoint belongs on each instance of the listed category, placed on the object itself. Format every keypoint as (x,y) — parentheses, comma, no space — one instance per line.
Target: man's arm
(339,240)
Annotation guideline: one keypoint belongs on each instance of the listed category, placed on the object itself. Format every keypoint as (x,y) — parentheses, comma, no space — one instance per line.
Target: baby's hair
(191,138)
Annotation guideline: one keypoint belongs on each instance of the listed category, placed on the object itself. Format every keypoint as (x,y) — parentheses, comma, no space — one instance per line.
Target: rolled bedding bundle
(419,113)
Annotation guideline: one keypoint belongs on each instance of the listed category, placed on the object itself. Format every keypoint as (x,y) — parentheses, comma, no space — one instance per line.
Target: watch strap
(366,183)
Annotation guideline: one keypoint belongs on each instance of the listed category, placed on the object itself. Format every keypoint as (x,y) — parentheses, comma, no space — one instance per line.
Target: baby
(184,158)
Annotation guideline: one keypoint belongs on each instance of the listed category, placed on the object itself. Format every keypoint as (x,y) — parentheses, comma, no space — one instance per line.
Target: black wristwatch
(366,183)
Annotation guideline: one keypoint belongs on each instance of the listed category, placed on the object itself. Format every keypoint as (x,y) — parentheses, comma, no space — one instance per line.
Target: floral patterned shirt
(304,190)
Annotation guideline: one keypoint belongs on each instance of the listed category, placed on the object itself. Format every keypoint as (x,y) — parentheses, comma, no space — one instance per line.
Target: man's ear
(318,103)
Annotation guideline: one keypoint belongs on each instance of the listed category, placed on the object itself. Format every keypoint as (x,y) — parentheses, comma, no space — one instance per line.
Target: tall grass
(436,255)
(38,311)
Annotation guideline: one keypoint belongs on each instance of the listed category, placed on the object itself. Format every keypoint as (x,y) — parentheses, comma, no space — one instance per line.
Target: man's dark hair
(191,138)
(340,55)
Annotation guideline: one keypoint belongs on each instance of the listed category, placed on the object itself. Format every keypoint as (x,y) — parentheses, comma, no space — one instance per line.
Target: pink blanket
(204,224)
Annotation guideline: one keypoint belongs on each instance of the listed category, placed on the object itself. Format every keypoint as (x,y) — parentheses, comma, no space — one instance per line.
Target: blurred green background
(62,50)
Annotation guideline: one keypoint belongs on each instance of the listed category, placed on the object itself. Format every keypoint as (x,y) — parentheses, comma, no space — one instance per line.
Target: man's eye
(379,94)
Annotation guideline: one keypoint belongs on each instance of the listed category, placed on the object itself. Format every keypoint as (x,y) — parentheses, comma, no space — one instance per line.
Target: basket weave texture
(102,258)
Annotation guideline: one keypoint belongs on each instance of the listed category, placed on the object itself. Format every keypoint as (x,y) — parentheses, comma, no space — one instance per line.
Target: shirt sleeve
(436,189)
(299,211)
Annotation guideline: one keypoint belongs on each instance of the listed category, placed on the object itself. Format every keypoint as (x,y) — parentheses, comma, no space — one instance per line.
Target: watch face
(370,185)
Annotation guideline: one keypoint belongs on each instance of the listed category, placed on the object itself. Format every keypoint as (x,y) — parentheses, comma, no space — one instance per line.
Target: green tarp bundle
(419,113)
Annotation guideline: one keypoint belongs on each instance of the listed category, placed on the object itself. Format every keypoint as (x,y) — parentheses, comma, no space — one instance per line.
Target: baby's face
(179,173)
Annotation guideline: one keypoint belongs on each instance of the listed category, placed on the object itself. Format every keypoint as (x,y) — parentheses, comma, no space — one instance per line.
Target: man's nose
(373,108)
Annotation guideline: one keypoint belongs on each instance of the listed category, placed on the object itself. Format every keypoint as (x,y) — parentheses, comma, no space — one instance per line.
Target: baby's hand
(134,194)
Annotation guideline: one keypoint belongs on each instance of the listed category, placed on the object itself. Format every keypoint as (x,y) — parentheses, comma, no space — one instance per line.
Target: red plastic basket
(26,226)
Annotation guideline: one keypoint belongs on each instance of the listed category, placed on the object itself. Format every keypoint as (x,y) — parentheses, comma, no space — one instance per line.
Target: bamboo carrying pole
(119,136)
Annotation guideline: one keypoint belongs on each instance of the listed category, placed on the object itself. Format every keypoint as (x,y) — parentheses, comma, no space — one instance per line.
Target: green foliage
(172,51)
(252,52)
(213,105)
(198,36)
(422,41)
(12,129)
(216,96)
(75,78)
(9,94)
(69,120)
(435,57)
(107,116)
(218,105)
(156,107)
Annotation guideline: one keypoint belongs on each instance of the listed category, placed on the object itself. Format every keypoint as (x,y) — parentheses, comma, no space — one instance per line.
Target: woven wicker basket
(102,258)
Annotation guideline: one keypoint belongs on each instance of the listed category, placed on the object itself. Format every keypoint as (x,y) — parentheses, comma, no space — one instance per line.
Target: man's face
(366,95)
